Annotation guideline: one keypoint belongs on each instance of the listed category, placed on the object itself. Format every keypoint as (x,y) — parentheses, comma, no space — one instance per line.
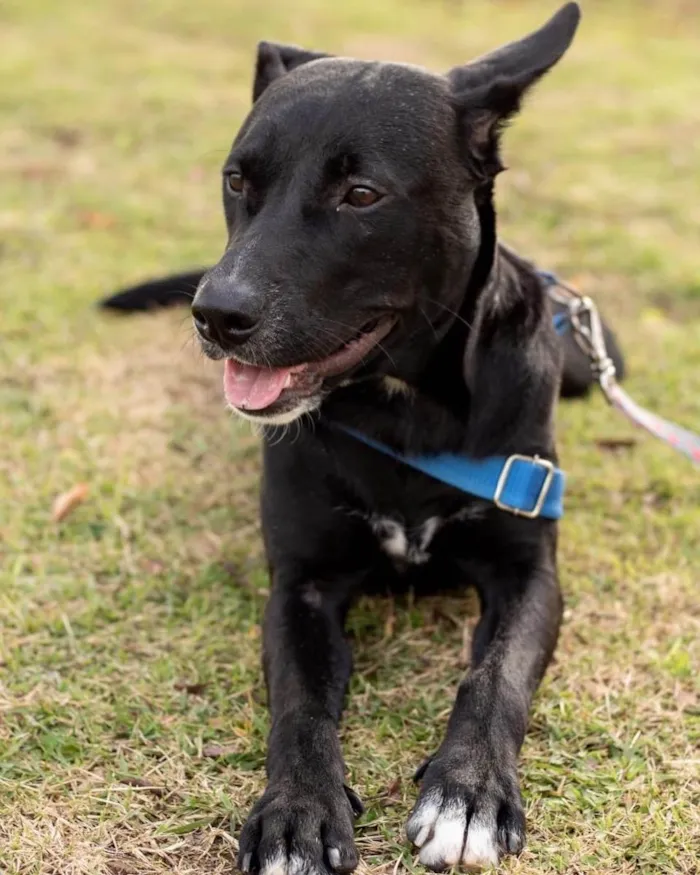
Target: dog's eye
(234,181)
(362,196)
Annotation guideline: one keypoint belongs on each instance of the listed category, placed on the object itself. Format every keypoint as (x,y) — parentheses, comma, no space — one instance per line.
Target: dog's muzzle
(254,388)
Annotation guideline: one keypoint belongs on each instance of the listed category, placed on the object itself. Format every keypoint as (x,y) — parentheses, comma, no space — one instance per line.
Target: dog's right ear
(274,60)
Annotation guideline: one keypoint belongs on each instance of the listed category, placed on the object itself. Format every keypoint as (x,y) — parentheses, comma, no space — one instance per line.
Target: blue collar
(526,486)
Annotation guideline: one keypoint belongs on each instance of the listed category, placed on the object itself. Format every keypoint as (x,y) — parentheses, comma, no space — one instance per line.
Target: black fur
(178,289)
(474,366)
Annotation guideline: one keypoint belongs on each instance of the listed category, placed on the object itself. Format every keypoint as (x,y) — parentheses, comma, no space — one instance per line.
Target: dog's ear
(489,90)
(275,60)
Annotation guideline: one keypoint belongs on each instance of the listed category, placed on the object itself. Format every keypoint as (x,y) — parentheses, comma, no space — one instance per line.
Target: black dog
(363,285)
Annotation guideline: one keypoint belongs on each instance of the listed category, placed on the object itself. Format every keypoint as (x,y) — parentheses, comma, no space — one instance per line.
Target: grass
(132,721)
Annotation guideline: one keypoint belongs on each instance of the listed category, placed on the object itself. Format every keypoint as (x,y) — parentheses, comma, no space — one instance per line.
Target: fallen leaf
(614,444)
(194,689)
(393,790)
(67,502)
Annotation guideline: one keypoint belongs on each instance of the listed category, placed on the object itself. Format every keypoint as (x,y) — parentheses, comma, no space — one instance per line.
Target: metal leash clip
(587,331)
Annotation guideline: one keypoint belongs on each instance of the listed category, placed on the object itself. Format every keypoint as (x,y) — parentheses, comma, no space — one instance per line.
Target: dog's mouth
(254,388)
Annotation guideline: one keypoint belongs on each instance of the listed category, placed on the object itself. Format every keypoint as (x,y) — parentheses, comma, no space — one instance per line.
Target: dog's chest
(404,543)
(414,544)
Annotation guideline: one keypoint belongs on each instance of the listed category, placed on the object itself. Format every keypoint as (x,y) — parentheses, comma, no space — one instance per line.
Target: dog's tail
(168,291)
(179,288)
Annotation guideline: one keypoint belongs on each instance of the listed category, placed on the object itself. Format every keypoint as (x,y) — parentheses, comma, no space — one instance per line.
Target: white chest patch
(409,545)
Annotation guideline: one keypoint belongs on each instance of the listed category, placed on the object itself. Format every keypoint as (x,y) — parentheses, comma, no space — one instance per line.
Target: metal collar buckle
(545,464)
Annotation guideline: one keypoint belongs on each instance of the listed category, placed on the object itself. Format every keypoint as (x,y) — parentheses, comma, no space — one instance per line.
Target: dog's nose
(226,314)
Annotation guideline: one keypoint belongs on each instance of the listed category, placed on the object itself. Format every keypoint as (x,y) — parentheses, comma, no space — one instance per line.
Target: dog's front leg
(303,823)
(469,808)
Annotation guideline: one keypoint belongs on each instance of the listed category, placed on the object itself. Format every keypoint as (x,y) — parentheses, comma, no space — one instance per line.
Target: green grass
(132,720)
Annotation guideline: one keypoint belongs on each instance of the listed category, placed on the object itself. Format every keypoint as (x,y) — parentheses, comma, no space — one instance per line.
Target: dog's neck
(488,281)
(486,265)
(449,401)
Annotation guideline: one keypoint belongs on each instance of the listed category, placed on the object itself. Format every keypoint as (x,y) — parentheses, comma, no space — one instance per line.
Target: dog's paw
(293,831)
(464,815)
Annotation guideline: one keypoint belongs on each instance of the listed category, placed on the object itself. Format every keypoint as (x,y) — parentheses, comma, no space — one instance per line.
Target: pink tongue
(252,388)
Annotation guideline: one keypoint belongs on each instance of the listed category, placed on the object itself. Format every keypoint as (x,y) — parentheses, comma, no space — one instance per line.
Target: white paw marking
(276,866)
(422,820)
(481,848)
(294,864)
(440,834)
(301,866)
(447,841)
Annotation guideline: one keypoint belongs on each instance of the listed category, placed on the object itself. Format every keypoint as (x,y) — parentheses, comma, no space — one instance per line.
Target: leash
(582,318)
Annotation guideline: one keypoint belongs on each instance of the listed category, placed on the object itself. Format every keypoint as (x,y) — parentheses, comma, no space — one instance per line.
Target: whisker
(190,340)
(451,311)
(430,324)
(350,327)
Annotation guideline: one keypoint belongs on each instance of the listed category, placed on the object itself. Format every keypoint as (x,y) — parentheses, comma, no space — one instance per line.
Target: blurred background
(131,718)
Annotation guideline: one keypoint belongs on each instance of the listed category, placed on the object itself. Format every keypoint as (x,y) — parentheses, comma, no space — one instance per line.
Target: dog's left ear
(489,90)
(274,60)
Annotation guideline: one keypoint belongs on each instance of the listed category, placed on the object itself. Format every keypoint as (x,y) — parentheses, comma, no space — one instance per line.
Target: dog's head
(352,198)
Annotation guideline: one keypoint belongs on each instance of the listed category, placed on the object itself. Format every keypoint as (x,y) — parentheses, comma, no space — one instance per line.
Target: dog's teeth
(287,382)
